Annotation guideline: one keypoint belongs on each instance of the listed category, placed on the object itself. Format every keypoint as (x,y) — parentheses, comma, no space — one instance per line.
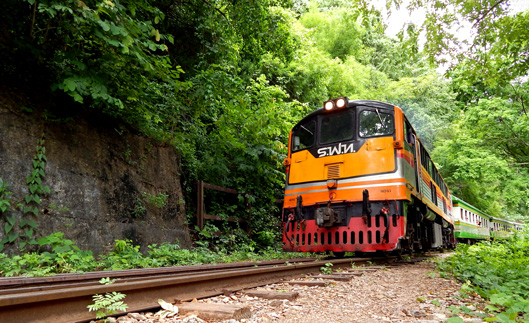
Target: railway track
(64,298)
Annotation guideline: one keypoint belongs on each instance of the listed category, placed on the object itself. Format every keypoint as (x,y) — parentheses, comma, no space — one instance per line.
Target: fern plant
(109,303)
(327,269)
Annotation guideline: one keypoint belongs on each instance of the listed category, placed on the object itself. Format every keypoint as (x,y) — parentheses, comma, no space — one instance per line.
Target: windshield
(337,127)
(373,123)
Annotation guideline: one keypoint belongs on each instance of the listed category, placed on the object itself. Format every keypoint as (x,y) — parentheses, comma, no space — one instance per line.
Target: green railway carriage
(470,222)
(503,229)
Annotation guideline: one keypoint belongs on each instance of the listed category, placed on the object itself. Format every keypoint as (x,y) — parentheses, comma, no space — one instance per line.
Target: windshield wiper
(307,130)
(380,118)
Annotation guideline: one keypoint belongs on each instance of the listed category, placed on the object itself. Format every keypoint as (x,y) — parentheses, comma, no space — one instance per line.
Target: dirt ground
(407,293)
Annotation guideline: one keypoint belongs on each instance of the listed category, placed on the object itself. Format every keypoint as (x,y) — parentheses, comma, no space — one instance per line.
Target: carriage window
(375,123)
(303,136)
(336,127)
(434,193)
(425,160)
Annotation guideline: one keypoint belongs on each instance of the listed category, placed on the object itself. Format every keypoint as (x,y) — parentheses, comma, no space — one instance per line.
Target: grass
(496,270)
(58,255)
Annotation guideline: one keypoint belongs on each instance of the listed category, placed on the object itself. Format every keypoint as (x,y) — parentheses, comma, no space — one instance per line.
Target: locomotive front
(349,174)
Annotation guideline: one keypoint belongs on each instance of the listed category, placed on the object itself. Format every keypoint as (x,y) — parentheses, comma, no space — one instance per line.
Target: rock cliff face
(106,182)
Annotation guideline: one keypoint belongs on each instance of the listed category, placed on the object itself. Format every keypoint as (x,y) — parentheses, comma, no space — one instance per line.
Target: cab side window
(303,136)
(408,133)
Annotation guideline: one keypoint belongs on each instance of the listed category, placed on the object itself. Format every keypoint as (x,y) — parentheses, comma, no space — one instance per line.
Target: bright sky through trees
(399,18)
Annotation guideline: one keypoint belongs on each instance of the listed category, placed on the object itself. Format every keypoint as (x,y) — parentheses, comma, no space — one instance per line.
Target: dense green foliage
(59,255)
(485,156)
(224,81)
(498,271)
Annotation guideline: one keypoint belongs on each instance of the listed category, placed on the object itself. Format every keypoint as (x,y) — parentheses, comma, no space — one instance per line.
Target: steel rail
(69,303)
(80,281)
(8,282)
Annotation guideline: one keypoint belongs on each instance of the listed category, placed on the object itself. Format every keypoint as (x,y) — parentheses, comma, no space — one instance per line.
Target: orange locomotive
(358,179)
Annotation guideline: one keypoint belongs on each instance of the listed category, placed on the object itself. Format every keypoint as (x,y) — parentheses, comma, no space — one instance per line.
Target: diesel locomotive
(358,179)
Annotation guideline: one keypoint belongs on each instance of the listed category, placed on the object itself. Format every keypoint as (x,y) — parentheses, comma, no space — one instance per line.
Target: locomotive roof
(351,104)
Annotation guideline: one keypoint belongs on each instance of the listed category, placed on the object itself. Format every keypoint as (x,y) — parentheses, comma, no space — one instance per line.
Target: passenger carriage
(471,224)
(503,229)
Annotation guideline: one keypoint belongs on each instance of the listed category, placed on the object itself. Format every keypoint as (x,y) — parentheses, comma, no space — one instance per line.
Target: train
(358,179)
(473,225)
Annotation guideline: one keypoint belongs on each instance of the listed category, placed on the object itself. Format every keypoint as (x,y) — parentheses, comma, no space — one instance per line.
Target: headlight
(335,103)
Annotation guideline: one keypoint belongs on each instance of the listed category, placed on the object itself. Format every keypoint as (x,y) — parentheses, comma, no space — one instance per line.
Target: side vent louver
(333,171)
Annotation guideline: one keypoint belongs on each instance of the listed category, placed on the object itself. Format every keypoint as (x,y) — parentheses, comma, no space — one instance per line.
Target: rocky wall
(106,181)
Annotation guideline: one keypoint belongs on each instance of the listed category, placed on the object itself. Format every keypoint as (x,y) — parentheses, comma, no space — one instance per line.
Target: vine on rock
(5,205)
(33,198)
(30,205)
(4,196)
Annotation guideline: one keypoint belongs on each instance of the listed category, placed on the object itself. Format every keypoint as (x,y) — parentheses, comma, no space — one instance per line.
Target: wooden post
(200,205)
(249,208)
(201,208)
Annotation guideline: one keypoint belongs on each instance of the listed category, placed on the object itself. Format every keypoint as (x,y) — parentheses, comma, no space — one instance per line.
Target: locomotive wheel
(339,254)
(399,254)
(383,253)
